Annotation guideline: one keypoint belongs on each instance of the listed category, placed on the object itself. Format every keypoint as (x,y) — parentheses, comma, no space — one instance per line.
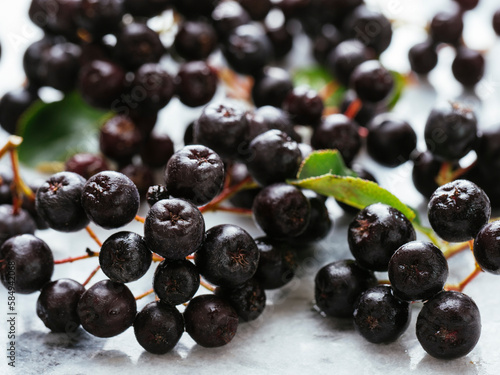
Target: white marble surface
(290,337)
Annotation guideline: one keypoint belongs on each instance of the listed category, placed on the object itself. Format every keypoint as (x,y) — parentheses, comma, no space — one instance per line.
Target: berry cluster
(446,28)
(382,239)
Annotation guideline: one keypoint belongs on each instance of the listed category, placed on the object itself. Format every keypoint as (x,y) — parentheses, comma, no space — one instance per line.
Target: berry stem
(461,285)
(140,219)
(353,108)
(93,236)
(454,250)
(226,193)
(157,258)
(207,285)
(328,90)
(236,210)
(74,259)
(141,296)
(238,87)
(447,174)
(91,275)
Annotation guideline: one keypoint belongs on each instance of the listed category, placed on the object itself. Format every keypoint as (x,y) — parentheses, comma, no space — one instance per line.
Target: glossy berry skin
(449,325)
(119,138)
(195,173)
(257,9)
(30,206)
(328,38)
(100,17)
(155,87)
(248,49)
(487,248)
(110,199)
(379,316)
(390,140)
(371,28)
(156,193)
(338,285)
(450,131)
(195,83)
(338,132)
(425,170)
(227,16)
(107,309)
(101,83)
(281,211)
(195,40)
(137,44)
(346,57)
(222,128)
(467,4)
(423,57)
(228,256)
(468,66)
(277,263)
(124,257)
(34,62)
(12,105)
(371,81)
(26,263)
(417,271)
(62,66)
(210,320)
(56,305)
(447,27)
(273,157)
(86,165)
(279,34)
(458,210)
(174,228)
(271,87)
(304,106)
(141,175)
(14,224)
(158,327)
(320,222)
(366,112)
(58,202)
(375,233)
(266,118)
(176,281)
(248,299)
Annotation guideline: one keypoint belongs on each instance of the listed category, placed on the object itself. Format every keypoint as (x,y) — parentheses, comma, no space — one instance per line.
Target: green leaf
(353,191)
(323,162)
(399,85)
(54,131)
(315,77)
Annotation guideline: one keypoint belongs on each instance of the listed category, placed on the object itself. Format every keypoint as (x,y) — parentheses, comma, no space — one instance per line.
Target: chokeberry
(12,105)
(338,132)
(124,257)
(458,210)
(450,131)
(195,40)
(277,263)
(417,271)
(153,87)
(110,199)
(107,308)
(210,320)
(58,202)
(119,138)
(423,57)
(195,173)
(156,193)
(195,83)
(346,57)
(273,157)
(26,263)
(271,87)
(14,222)
(248,299)
(390,140)
(176,281)
(174,228)
(57,303)
(86,165)
(228,256)
(447,27)
(379,316)
(338,285)
(371,81)
(468,66)
(376,233)
(158,327)
(487,247)
(449,325)
(281,211)
(304,106)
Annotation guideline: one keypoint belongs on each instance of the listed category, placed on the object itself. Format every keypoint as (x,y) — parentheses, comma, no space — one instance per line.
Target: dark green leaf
(323,162)
(353,191)
(54,131)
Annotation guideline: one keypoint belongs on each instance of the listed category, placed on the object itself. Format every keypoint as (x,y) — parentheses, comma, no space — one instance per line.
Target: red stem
(207,285)
(140,296)
(461,285)
(93,236)
(71,260)
(91,275)
(353,108)
(226,193)
(139,219)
